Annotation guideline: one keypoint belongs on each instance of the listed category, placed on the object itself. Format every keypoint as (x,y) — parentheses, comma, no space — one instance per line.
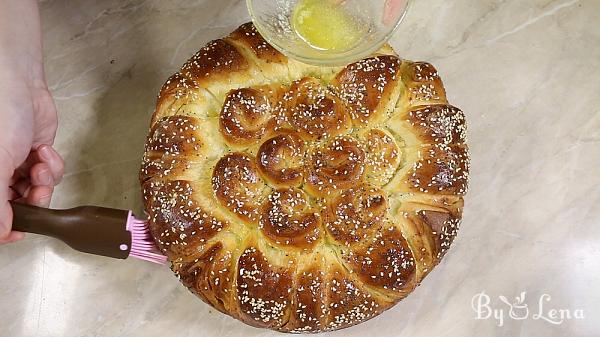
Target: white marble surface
(527,72)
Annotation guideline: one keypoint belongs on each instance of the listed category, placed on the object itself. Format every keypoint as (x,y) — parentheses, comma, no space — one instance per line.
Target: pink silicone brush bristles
(142,244)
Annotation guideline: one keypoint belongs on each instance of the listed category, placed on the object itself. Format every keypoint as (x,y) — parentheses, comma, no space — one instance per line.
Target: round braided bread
(303,198)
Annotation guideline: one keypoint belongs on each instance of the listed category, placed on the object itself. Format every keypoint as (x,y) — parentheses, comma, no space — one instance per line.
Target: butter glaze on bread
(302,198)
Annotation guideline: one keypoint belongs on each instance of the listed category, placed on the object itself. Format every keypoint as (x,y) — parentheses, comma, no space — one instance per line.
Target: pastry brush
(89,229)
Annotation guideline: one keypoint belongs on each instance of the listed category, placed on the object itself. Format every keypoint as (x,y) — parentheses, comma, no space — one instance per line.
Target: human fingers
(41,175)
(34,195)
(391,11)
(40,196)
(21,188)
(48,155)
(12,237)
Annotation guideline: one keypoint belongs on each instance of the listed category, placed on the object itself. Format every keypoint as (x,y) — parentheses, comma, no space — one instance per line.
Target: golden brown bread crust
(368,87)
(237,185)
(281,160)
(302,198)
(287,219)
(314,111)
(356,214)
(336,165)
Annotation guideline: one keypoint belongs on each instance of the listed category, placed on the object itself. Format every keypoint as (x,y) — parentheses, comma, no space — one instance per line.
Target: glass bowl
(327,32)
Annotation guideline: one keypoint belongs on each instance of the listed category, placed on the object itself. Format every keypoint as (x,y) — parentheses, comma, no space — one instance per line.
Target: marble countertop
(527,73)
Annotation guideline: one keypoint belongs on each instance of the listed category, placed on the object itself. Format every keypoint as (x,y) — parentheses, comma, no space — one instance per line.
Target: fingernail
(45,152)
(45,177)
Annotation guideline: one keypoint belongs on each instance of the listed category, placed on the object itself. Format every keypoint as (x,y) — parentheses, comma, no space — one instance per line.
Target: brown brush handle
(88,229)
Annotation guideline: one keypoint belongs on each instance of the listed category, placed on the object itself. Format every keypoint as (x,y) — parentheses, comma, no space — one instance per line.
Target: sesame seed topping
(297,198)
